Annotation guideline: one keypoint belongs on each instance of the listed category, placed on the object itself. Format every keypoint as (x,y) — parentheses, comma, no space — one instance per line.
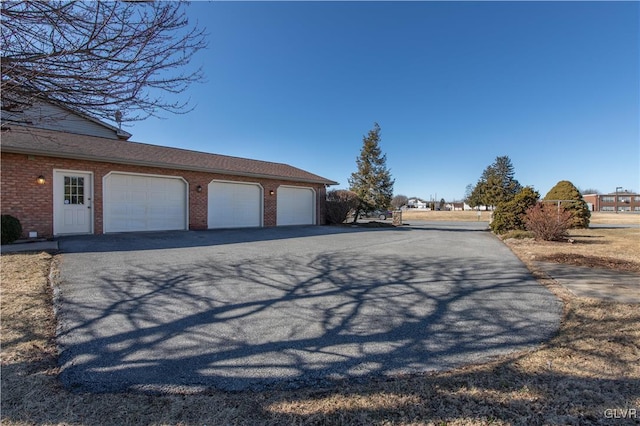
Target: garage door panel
(144,203)
(234,205)
(296,206)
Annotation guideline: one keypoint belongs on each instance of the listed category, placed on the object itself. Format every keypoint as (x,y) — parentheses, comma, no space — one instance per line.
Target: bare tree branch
(99,57)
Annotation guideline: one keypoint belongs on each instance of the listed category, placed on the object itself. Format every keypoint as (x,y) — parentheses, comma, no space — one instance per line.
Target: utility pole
(617,187)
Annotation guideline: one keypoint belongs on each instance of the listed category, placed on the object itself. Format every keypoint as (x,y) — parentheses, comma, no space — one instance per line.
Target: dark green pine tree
(372,181)
(570,199)
(496,185)
(511,215)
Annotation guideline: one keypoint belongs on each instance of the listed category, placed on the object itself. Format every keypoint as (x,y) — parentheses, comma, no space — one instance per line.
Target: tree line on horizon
(515,207)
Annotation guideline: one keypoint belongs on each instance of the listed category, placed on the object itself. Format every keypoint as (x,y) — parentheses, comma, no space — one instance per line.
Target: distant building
(615,201)
(416,203)
(467,207)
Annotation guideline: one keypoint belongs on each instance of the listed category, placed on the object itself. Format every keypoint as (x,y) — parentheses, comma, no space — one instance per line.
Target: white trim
(56,193)
(104,195)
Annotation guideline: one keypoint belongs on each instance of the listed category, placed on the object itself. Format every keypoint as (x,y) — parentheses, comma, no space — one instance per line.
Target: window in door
(73,190)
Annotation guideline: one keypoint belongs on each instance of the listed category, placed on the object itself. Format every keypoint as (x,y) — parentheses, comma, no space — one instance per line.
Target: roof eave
(45,153)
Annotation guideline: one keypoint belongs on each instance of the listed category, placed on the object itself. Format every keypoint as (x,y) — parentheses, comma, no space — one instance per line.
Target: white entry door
(72,202)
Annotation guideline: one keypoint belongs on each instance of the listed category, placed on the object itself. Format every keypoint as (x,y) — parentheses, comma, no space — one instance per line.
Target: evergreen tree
(473,195)
(372,181)
(511,215)
(571,200)
(496,185)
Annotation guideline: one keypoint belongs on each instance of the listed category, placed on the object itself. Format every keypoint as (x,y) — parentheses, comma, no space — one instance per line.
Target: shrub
(518,234)
(565,190)
(340,203)
(548,222)
(509,216)
(11,229)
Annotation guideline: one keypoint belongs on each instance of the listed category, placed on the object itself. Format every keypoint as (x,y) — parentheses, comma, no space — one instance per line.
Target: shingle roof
(25,140)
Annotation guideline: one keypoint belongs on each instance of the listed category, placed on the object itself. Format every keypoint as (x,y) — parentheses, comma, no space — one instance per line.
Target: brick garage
(28,153)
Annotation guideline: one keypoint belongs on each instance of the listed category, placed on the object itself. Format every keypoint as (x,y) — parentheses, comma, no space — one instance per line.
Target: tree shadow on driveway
(161,240)
(287,322)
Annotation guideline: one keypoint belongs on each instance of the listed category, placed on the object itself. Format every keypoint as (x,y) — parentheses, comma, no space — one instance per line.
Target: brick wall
(32,203)
(622,202)
(23,197)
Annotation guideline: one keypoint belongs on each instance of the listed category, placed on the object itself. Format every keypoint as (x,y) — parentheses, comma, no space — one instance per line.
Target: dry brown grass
(615,248)
(593,364)
(598,218)
(601,218)
(463,216)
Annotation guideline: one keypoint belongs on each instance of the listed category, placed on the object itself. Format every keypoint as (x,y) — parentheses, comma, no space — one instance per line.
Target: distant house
(467,207)
(77,175)
(416,203)
(616,201)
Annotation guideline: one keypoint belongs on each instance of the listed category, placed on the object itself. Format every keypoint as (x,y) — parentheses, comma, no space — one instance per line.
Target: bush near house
(11,229)
(340,203)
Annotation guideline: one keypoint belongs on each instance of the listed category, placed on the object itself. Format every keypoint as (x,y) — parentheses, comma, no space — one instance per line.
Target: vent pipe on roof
(119,119)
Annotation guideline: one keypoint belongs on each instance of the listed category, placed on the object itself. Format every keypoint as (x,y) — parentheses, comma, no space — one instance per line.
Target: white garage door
(144,203)
(296,206)
(234,205)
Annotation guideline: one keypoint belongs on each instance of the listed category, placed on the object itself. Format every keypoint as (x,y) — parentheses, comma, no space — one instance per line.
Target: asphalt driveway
(289,307)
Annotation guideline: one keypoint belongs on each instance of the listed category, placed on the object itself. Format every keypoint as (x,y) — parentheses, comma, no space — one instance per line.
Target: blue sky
(552,85)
